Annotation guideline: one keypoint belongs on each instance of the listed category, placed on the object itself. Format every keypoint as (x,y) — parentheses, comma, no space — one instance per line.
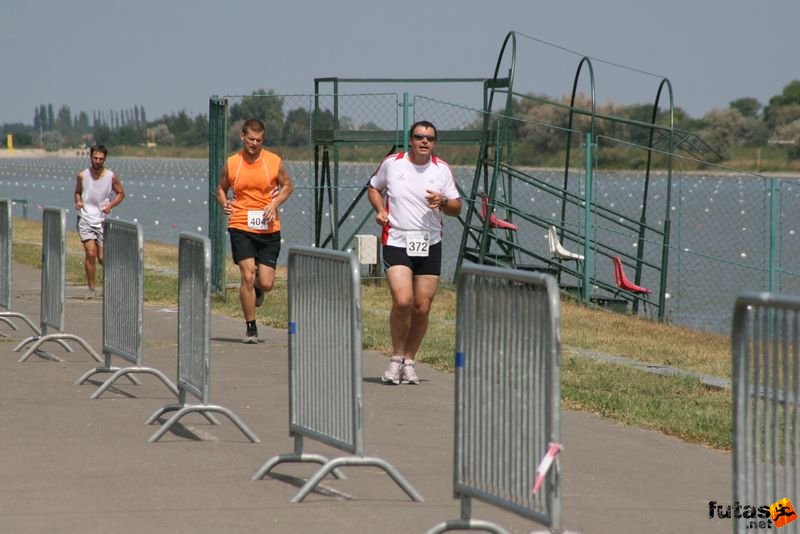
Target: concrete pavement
(69,464)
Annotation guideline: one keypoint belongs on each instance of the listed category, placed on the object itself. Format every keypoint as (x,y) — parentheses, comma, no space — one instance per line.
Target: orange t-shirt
(253,185)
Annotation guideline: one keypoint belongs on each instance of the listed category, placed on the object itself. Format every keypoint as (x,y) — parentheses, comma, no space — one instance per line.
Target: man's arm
(376,199)
(119,194)
(451,206)
(78,196)
(285,188)
(222,190)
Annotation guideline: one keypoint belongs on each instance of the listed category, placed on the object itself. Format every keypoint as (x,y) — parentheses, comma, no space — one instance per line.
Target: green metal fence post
(587,220)
(217,150)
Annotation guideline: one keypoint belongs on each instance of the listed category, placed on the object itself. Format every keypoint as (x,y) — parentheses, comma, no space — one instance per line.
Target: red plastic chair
(493,220)
(622,280)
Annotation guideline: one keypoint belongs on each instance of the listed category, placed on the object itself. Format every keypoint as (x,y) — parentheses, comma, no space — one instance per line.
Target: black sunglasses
(420,137)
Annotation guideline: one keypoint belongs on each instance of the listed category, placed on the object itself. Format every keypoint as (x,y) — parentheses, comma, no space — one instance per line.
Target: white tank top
(96,194)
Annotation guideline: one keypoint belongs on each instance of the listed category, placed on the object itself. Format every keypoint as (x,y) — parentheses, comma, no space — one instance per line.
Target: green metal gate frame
(330,141)
(495,166)
(494,171)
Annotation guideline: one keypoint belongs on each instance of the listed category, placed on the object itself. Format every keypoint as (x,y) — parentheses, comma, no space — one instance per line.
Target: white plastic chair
(557,250)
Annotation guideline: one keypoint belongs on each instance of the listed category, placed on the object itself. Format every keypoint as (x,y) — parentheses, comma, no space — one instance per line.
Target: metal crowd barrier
(21,202)
(325,380)
(766,410)
(53,292)
(6,262)
(123,305)
(507,400)
(194,329)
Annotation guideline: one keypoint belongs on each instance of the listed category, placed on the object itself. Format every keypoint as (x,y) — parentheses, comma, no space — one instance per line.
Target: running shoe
(251,336)
(91,294)
(409,373)
(392,373)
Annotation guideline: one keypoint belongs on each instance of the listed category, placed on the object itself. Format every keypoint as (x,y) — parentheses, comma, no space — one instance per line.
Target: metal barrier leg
(174,407)
(60,339)
(38,342)
(37,337)
(5,315)
(85,376)
(356,460)
(9,322)
(296,457)
(202,408)
(466,522)
(124,372)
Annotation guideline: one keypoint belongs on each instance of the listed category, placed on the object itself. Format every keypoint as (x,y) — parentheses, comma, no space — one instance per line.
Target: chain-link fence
(705,235)
(730,230)
(331,145)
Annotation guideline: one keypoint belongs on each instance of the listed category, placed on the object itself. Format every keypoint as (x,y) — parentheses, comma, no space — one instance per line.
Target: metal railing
(325,372)
(507,405)
(6,262)
(194,329)
(53,292)
(766,402)
(123,305)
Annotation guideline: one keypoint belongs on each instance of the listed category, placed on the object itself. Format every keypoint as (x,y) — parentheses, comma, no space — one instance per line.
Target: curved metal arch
(665,83)
(501,137)
(481,168)
(510,37)
(587,61)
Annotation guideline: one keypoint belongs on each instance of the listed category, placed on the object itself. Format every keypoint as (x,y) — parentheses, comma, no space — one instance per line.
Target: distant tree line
(53,131)
(744,123)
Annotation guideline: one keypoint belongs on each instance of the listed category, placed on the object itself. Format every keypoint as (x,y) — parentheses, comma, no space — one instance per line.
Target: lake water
(720,223)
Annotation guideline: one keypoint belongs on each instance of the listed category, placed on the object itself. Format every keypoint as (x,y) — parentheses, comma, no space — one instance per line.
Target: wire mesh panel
(6,238)
(766,414)
(325,347)
(194,327)
(325,398)
(53,267)
(194,314)
(123,290)
(53,292)
(507,389)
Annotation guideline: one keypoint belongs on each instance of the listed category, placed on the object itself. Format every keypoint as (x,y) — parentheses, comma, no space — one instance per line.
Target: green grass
(681,407)
(677,406)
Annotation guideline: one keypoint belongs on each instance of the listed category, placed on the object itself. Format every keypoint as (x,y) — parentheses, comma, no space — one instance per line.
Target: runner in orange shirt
(260,186)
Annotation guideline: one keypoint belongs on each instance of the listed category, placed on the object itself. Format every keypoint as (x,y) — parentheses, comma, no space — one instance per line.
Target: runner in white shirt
(97,191)
(419,189)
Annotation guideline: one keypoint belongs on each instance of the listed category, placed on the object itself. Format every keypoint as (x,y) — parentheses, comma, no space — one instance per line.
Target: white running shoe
(409,373)
(392,373)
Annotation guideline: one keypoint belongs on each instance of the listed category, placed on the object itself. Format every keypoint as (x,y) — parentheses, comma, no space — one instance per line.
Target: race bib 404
(255,220)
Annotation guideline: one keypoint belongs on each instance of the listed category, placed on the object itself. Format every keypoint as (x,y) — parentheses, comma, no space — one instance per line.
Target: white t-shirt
(406,187)
(96,194)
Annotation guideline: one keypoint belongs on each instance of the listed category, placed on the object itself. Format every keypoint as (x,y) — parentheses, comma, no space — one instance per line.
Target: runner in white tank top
(97,191)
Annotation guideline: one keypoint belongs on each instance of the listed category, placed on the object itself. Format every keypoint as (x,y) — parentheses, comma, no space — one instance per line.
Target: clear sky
(171,55)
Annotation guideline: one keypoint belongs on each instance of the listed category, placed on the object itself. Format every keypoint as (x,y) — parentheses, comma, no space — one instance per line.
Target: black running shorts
(430,264)
(265,248)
